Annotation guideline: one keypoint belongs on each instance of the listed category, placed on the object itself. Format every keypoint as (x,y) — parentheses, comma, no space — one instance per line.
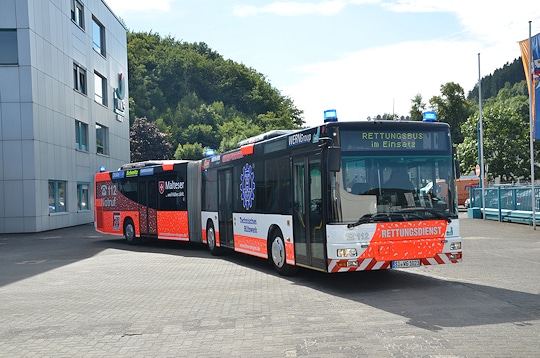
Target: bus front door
(225,191)
(308,228)
(148,192)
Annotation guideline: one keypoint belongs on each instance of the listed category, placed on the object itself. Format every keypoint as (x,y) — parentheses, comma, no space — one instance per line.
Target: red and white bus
(342,196)
(149,199)
(338,197)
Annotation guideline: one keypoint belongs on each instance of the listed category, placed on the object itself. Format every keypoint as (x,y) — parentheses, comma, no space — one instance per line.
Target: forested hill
(510,73)
(194,95)
(187,97)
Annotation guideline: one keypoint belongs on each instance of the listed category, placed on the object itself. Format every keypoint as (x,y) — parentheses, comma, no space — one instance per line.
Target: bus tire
(211,240)
(278,255)
(129,232)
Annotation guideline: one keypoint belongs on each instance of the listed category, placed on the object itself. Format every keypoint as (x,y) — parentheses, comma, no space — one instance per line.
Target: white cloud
(416,5)
(139,5)
(377,81)
(488,20)
(295,8)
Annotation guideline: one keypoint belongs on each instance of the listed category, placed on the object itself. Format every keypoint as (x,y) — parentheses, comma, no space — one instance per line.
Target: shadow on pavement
(26,255)
(426,302)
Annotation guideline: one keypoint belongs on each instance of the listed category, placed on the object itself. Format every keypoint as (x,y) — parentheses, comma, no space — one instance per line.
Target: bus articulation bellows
(348,196)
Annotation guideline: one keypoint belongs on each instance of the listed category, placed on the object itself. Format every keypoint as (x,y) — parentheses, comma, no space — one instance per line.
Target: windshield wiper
(410,214)
(433,212)
(385,217)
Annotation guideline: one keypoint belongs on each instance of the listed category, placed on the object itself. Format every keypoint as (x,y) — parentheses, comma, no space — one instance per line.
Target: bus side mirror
(334,159)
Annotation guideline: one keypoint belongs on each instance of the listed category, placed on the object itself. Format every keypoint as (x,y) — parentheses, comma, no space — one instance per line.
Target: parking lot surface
(77,293)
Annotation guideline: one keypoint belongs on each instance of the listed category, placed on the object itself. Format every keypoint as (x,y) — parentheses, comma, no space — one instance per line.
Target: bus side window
(277,182)
(128,188)
(284,197)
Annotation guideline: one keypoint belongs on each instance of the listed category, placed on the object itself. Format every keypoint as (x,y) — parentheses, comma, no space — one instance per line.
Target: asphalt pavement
(77,293)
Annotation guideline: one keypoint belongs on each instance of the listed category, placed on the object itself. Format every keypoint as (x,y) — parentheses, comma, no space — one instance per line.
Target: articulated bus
(342,196)
(149,199)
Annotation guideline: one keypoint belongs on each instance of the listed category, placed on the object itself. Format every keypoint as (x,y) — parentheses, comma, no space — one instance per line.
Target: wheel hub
(278,252)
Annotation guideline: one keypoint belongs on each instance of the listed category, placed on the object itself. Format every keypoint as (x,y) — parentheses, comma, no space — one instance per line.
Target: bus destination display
(388,140)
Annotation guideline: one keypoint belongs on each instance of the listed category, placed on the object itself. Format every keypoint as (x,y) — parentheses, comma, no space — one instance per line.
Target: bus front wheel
(129,232)
(278,255)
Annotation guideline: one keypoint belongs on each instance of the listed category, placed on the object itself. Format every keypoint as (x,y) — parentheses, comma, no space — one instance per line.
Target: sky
(359,57)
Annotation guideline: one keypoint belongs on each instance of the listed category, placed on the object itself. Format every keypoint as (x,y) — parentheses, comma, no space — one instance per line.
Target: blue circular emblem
(247,186)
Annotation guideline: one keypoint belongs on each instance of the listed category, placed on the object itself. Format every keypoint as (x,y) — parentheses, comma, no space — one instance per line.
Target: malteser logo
(161,187)
(170,185)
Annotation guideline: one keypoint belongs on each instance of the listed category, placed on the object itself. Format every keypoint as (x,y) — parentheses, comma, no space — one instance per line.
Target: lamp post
(481,138)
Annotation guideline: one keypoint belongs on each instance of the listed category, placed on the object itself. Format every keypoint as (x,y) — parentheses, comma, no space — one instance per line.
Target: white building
(63,109)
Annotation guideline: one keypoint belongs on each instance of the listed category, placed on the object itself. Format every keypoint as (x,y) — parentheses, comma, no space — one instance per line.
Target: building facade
(63,109)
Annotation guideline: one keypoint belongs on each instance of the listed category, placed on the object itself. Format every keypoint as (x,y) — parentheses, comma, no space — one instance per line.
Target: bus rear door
(148,192)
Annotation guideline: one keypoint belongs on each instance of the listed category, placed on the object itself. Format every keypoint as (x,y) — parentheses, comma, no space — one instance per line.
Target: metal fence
(506,203)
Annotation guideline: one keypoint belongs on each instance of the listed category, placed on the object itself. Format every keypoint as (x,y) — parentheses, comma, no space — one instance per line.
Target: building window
(100,86)
(8,47)
(102,140)
(82,196)
(57,196)
(81,135)
(98,36)
(79,78)
(77,13)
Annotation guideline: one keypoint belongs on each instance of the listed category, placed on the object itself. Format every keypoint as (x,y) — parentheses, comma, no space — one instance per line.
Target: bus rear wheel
(278,255)
(129,232)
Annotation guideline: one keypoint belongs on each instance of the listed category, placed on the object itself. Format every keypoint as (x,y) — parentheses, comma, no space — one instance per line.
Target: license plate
(405,263)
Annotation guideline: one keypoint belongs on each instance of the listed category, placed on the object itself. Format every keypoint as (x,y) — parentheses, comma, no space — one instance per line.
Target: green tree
(510,73)
(189,151)
(418,108)
(452,108)
(236,130)
(387,117)
(191,91)
(505,123)
(145,96)
(147,142)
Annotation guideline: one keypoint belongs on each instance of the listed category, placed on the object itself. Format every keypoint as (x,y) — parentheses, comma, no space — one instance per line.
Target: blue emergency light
(209,153)
(330,115)
(430,116)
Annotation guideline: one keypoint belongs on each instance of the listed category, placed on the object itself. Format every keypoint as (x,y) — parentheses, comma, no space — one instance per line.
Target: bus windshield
(387,184)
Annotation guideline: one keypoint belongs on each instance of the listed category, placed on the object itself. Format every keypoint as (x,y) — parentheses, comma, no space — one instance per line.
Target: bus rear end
(149,199)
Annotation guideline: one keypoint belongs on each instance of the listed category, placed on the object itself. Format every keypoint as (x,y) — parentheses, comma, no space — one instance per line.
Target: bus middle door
(308,228)
(225,212)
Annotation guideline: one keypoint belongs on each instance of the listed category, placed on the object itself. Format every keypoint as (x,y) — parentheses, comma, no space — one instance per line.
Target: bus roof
(151,163)
(264,136)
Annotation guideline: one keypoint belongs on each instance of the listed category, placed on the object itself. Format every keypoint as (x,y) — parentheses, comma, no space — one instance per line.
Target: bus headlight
(347,252)
(455,246)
